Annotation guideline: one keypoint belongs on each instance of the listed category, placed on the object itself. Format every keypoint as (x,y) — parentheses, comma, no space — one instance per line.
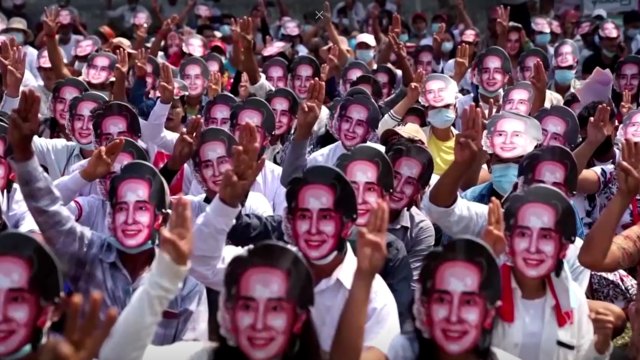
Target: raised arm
(50,24)
(394,117)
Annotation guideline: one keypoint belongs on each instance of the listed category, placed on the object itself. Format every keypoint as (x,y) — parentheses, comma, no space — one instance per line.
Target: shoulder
(403,347)
(272,168)
(503,355)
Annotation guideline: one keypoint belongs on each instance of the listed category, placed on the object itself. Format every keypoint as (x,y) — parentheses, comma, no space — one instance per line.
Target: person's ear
(563,250)
(297,326)
(45,316)
(346,229)
(488,319)
(159,221)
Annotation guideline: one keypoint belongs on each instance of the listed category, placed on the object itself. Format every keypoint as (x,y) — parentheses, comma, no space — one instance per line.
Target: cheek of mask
(447,46)
(563,76)
(542,39)
(503,176)
(365,55)
(441,118)
(404,38)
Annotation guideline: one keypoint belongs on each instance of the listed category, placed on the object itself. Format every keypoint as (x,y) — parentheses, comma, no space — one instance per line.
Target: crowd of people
(186,183)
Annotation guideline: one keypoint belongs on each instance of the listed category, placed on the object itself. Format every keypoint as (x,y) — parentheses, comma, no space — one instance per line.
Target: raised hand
(309,110)
(102,160)
(625,105)
(398,47)
(538,78)
(493,234)
(123,62)
(176,239)
(468,142)
(246,33)
(438,37)
(371,248)
(415,88)
(396,25)
(166,86)
(628,169)
(141,63)
(461,63)
(167,26)
(186,144)
(215,85)
(332,62)
(502,23)
(603,323)
(599,126)
(14,70)
(50,21)
(24,125)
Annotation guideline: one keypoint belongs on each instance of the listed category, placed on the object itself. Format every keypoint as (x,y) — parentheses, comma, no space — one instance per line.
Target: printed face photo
(20,306)
(628,78)
(43,60)
(254,117)
(468,36)
(509,139)
(262,318)
(553,129)
(141,18)
(492,77)
(133,213)
(513,43)
(214,67)
(535,243)
(214,162)
(61,103)
(219,116)
(277,76)
(551,173)
(174,42)
(99,70)
(406,172)
(64,16)
(150,78)
(350,77)
(383,78)
(301,78)
(82,129)
(632,128)
(85,47)
(425,62)
(455,309)
(527,68)
(194,79)
(203,11)
(541,24)
(195,46)
(280,107)
(565,57)
(609,30)
(316,225)
(518,101)
(436,93)
(112,127)
(5,170)
(363,176)
(353,127)
(123,159)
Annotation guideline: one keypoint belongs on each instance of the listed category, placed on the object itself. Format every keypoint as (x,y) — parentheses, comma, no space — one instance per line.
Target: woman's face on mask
(513,43)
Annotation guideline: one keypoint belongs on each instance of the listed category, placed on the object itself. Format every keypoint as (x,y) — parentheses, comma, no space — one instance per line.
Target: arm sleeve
(250,229)
(136,94)
(295,162)
(153,131)
(18,215)
(261,88)
(390,120)
(69,186)
(9,104)
(464,217)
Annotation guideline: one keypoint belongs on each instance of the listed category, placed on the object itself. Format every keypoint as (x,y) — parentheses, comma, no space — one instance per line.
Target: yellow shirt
(442,152)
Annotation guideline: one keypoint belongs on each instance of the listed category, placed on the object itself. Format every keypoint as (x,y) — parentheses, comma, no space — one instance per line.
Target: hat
(19,24)
(571,16)
(419,16)
(123,43)
(599,12)
(367,39)
(107,32)
(408,131)
(219,43)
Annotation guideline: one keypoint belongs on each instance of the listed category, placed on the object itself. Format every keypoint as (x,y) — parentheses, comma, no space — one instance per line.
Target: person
(217,111)
(284,104)
(115,119)
(100,67)
(350,73)
(86,47)
(62,93)
(518,98)
(387,76)
(559,126)
(526,69)
(80,123)
(276,72)
(194,72)
(627,77)
(607,55)
(303,69)
(510,135)
(565,67)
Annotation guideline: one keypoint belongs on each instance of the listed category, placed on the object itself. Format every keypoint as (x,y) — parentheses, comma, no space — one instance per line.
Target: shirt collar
(108,253)
(401,221)
(344,272)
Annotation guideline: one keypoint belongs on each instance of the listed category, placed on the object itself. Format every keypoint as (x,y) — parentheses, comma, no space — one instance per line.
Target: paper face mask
(631,126)
(194,45)
(527,61)
(510,135)
(559,126)
(566,54)
(551,165)
(195,73)
(130,151)
(370,84)
(43,58)
(627,74)
(540,222)
(371,175)
(415,115)
(213,157)
(455,300)
(99,68)
(215,63)
(609,30)
(115,119)
(439,91)
(80,124)
(493,70)
(518,98)
(276,72)
(87,46)
(412,170)
(63,92)
(265,302)
(321,207)
(303,70)
(357,117)
(387,77)
(423,59)
(351,72)
(284,104)
(258,112)
(217,111)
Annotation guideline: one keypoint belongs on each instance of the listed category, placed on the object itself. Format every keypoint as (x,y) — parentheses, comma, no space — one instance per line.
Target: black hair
(305,60)
(220,99)
(90,96)
(398,149)
(373,117)
(391,74)
(498,52)
(541,55)
(368,79)
(371,154)
(420,112)
(555,153)
(72,82)
(571,99)
(136,151)
(159,191)
(572,132)
(356,64)
(589,111)
(253,103)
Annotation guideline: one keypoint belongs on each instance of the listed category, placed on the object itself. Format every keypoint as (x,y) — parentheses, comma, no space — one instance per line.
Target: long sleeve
(137,323)
(153,131)
(295,162)
(69,240)
(464,217)
(8,104)
(250,229)
(390,120)
(136,94)
(69,186)
(18,215)
(261,88)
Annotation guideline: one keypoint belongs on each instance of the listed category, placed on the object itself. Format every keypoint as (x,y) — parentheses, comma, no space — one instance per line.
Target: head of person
(350,73)
(417,114)
(370,84)
(627,74)
(115,119)
(302,71)
(514,40)
(589,111)
(609,35)
(412,170)
(131,151)
(100,67)
(470,37)
(356,120)
(552,165)
(87,46)
(257,112)
(631,23)
(572,101)
(5,152)
(559,126)
(539,227)
(541,27)
(458,292)
(321,210)
(215,63)
(566,56)
(31,288)
(217,111)
(63,92)
(528,59)
(284,104)
(195,73)
(173,43)
(265,305)
(493,68)
(423,59)
(370,173)
(194,45)
(631,126)
(153,73)
(80,124)
(141,18)
(518,98)
(45,70)
(213,157)
(365,47)
(440,97)
(276,71)
(386,75)
(419,24)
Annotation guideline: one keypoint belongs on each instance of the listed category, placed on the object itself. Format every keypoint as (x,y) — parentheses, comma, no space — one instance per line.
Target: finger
(93,316)
(97,339)
(374,218)
(181,217)
(72,317)
(321,91)
(384,223)
(114,148)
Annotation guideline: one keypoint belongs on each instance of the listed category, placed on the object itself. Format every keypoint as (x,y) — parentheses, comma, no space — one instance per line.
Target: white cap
(599,12)
(367,39)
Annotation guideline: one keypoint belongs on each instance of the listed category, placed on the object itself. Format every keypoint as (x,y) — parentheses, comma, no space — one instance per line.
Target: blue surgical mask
(365,55)
(503,176)
(447,46)
(542,39)
(352,43)
(135,250)
(404,38)
(441,118)
(307,27)
(18,35)
(631,33)
(563,76)
(608,53)
(491,94)
(435,27)
(225,30)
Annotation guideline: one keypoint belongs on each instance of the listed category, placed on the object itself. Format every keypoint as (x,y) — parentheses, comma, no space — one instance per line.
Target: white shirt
(532,333)
(450,69)
(15,211)
(211,256)
(328,155)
